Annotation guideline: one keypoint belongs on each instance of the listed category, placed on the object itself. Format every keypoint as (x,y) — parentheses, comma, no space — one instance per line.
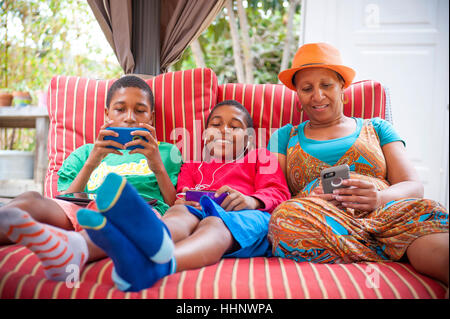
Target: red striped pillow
(273,105)
(76,111)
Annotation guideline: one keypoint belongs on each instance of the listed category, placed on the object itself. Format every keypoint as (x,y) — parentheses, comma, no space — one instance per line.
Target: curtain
(115,18)
(181,22)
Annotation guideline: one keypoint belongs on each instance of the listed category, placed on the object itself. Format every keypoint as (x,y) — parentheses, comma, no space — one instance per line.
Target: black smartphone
(79,198)
(150,200)
(83,199)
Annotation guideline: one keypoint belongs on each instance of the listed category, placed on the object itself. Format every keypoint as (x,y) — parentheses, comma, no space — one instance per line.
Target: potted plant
(5,97)
(21,96)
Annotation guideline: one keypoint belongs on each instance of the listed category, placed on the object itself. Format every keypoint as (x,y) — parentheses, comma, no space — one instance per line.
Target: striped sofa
(183,101)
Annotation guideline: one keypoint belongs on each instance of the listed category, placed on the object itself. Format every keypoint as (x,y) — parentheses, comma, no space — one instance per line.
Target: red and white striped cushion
(22,276)
(76,110)
(184,100)
(273,105)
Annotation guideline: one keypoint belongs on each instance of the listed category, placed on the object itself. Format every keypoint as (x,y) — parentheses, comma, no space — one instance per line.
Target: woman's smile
(320,107)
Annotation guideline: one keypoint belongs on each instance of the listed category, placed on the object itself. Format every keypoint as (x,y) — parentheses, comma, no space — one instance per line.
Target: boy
(152,170)
(200,233)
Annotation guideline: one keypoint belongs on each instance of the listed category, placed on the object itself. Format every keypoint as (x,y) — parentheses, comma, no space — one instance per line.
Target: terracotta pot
(6,99)
(21,98)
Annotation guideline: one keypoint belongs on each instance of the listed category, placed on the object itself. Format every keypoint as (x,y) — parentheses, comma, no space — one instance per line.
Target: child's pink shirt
(258,174)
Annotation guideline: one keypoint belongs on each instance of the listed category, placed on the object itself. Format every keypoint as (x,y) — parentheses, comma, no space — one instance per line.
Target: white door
(404,45)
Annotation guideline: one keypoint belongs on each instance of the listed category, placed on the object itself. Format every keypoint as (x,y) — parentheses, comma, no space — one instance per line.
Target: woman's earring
(344,98)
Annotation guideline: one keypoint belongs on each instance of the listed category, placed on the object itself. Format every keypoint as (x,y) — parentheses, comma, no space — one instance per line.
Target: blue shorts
(248,227)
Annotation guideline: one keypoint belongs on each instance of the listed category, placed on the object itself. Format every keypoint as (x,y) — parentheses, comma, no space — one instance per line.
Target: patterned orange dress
(311,229)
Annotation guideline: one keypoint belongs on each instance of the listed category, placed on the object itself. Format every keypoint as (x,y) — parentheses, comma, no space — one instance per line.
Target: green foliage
(37,41)
(38,38)
(267,28)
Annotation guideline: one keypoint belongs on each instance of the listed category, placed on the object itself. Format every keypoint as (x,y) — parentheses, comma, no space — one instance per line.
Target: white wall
(404,45)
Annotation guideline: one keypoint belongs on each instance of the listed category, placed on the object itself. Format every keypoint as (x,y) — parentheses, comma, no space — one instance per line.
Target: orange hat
(315,55)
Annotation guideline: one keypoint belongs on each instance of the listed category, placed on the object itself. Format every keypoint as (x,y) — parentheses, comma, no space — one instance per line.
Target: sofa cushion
(273,105)
(76,111)
(22,276)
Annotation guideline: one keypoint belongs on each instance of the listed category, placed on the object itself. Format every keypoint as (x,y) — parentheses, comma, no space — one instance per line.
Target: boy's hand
(100,149)
(236,200)
(151,148)
(183,201)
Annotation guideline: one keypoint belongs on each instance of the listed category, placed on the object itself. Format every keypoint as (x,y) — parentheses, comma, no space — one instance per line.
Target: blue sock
(132,271)
(121,204)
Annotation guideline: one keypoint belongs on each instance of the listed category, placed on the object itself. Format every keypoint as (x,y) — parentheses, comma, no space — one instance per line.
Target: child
(203,232)
(152,170)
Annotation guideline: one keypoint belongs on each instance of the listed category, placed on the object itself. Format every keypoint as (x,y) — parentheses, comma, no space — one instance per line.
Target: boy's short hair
(130,81)
(248,118)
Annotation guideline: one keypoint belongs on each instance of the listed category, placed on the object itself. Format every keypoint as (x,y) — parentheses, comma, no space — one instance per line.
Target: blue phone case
(195,196)
(125,136)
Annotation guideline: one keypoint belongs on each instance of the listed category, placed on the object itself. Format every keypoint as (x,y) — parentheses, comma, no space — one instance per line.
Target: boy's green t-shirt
(133,166)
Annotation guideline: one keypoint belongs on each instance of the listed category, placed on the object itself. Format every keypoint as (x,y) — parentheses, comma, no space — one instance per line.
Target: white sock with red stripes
(56,248)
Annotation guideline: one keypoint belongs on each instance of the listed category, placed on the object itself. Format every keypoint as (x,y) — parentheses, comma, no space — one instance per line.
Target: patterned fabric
(76,107)
(22,277)
(364,157)
(312,229)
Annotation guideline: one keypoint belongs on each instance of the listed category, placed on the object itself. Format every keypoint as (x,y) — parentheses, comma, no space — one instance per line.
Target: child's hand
(182,201)
(100,149)
(151,148)
(236,200)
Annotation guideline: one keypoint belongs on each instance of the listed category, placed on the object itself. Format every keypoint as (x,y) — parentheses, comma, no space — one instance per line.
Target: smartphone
(194,196)
(333,177)
(79,198)
(83,199)
(125,136)
(150,200)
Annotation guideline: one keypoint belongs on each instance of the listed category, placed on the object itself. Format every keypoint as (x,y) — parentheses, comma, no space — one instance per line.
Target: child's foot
(121,204)
(56,248)
(133,271)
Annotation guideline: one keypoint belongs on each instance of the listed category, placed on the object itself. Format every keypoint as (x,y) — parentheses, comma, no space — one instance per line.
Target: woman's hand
(101,148)
(237,201)
(360,195)
(318,192)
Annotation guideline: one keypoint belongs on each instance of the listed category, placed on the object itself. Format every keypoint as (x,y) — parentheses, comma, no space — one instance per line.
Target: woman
(381,214)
